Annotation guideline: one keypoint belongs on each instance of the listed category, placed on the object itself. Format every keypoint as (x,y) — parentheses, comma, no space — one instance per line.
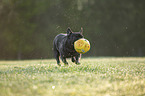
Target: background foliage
(114,28)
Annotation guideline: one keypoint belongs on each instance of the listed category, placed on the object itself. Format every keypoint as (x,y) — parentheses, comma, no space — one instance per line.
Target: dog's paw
(66,63)
(77,63)
(58,64)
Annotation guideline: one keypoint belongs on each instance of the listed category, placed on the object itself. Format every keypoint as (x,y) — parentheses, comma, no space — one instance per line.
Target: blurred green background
(113,27)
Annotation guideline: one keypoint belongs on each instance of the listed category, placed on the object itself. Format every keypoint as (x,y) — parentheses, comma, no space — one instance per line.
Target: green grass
(94,77)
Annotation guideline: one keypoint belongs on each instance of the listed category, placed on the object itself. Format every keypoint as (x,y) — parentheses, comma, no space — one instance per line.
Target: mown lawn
(94,77)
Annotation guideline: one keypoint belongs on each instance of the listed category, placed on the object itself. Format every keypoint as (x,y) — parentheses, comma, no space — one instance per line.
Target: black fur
(63,46)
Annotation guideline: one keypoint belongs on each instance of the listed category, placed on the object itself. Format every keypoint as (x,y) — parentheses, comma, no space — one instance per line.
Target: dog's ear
(81,31)
(68,31)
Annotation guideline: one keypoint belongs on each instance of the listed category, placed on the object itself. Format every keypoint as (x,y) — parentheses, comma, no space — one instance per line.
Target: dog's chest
(71,53)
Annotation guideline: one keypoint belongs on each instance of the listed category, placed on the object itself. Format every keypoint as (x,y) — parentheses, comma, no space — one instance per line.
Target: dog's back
(57,41)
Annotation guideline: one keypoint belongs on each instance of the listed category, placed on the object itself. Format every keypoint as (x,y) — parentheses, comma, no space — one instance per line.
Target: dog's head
(74,36)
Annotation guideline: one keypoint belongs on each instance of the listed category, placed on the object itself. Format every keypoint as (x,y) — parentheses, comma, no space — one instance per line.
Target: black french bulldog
(63,46)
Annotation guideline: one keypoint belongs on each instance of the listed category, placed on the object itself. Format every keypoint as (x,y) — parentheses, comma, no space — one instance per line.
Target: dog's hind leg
(57,55)
(57,58)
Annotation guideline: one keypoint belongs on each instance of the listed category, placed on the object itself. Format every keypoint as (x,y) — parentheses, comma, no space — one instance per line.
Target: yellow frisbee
(82,45)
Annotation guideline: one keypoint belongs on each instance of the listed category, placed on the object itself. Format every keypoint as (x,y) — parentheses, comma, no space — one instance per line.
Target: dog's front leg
(64,60)
(77,59)
(73,59)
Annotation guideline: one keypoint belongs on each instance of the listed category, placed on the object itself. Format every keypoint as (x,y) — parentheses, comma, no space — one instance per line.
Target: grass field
(94,77)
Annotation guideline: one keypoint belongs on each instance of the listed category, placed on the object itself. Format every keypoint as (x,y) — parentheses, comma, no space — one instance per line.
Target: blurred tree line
(113,27)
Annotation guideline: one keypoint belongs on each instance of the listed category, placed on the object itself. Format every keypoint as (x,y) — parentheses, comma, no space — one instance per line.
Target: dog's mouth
(74,42)
(71,42)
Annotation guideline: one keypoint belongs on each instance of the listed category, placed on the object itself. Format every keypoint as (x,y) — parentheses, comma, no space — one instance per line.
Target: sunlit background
(113,27)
